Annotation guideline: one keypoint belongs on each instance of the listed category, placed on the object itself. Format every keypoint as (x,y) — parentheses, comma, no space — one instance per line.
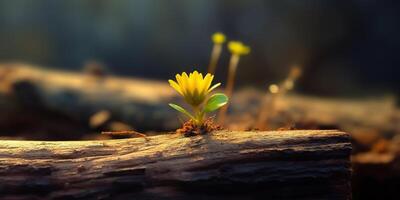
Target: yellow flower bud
(218,38)
(238,48)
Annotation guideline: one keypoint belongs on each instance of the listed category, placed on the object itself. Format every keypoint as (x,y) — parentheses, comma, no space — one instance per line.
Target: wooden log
(141,103)
(308,111)
(233,165)
(346,113)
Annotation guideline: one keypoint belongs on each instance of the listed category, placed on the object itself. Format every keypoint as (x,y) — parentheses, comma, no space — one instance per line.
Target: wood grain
(309,164)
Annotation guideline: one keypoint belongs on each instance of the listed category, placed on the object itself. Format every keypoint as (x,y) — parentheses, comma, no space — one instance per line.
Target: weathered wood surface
(232,165)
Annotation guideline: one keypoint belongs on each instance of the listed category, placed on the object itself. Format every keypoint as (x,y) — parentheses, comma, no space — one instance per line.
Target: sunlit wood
(310,164)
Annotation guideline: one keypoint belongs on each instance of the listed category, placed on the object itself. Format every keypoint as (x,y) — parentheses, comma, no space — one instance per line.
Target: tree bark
(309,164)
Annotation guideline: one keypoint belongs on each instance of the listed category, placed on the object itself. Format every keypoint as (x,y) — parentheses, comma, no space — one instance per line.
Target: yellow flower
(238,48)
(218,38)
(194,88)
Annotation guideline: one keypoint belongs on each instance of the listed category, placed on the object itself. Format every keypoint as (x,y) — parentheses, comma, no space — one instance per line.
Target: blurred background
(71,69)
(347,48)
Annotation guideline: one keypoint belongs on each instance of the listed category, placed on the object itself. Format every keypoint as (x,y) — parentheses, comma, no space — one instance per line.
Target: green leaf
(215,101)
(182,110)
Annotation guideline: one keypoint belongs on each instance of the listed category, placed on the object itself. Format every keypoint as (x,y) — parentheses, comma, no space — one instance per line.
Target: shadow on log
(222,165)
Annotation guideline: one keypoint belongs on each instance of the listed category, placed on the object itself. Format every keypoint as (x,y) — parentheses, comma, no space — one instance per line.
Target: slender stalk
(198,116)
(233,63)
(215,54)
(268,108)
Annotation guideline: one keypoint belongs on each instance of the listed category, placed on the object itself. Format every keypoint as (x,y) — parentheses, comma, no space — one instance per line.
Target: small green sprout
(195,90)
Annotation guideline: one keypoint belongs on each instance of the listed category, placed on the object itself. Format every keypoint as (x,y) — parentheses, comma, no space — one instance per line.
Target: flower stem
(233,63)
(268,108)
(198,116)
(215,54)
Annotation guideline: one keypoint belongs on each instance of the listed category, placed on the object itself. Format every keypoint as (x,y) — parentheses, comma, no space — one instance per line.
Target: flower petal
(214,86)
(185,83)
(209,78)
(175,86)
(207,82)
(181,84)
(196,85)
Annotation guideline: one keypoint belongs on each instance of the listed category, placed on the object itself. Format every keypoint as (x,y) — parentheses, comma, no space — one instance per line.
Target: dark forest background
(347,48)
